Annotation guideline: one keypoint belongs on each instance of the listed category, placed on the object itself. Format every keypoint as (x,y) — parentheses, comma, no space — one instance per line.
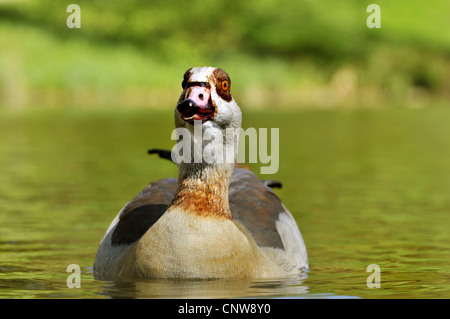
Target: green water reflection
(366,187)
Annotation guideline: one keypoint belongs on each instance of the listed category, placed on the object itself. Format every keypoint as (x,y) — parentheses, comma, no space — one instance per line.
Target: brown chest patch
(203,200)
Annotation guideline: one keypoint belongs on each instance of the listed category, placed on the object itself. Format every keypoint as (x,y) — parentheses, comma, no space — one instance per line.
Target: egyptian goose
(215,220)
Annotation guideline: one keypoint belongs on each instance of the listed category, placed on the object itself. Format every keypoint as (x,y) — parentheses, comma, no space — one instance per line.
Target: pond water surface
(366,187)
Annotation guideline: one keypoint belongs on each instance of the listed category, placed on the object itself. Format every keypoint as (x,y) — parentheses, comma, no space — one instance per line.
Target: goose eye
(225,85)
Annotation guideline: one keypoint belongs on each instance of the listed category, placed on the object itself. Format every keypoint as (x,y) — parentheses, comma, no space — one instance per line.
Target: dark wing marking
(272,183)
(143,211)
(256,207)
(165,154)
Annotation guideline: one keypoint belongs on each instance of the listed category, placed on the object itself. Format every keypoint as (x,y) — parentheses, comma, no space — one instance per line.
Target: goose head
(206,97)
(206,101)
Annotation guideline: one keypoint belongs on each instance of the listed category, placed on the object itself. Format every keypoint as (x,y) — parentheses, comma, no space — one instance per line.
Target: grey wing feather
(256,207)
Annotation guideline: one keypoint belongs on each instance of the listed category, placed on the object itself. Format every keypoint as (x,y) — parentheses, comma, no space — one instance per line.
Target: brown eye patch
(222,83)
(186,76)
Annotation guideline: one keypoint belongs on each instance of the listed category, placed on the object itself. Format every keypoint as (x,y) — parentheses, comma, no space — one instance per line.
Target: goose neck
(203,189)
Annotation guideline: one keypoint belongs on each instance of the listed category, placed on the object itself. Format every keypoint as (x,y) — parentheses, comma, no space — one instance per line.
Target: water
(366,187)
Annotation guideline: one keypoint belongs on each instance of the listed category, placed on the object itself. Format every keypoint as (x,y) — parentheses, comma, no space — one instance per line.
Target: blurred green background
(280,54)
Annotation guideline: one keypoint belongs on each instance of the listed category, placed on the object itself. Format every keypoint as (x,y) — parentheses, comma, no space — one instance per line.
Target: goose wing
(256,207)
(143,211)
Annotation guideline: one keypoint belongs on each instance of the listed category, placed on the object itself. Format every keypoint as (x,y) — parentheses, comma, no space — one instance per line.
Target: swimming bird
(215,220)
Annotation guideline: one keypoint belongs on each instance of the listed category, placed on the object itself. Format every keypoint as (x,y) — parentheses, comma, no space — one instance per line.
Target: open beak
(197,104)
